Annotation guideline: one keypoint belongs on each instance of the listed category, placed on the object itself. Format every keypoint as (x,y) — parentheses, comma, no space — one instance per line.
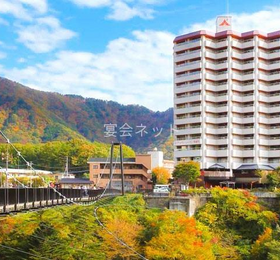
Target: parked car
(161,188)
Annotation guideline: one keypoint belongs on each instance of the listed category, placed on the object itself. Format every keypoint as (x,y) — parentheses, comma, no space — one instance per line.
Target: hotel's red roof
(226,33)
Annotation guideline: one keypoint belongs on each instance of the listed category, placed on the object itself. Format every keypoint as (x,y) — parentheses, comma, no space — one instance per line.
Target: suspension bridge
(23,198)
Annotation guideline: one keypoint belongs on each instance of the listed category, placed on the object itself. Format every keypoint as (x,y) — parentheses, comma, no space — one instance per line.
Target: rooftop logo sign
(223,23)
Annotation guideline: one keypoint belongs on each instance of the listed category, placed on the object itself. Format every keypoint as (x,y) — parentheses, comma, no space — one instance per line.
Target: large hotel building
(227,99)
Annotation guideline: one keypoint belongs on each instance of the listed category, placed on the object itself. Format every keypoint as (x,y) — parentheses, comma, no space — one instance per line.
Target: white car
(161,188)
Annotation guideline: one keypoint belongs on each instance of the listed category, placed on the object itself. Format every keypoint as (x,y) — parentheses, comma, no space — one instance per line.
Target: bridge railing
(14,199)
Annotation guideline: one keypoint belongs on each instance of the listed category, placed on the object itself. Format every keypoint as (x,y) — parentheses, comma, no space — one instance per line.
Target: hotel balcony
(187,45)
(243,56)
(217,153)
(269,142)
(269,98)
(239,109)
(216,120)
(188,142)
(187,99)
(269,88)
(243,120)
(216,66)
(269,45)
(270,120)
(187,120)
(243,77)
(271,131)
(210,141)
(243,131)
(216,77)
(187,66)
(187,77)
(273,66)
(220,109)
(243,141)
(218,174)
(216,99)
(269,77)
(188,131)
(245,66)
(269,153)
(187,153)
(216,45)
(269,55)
(187,56)
(216,88)
(249,98)
(187,88)
(217,55)
(243,153)
(243,45)
(243,88)
(271,109)
(216,131)
(187,109)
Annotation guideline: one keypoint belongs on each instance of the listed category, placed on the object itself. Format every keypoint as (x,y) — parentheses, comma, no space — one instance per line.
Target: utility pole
(7,165)
(66,171)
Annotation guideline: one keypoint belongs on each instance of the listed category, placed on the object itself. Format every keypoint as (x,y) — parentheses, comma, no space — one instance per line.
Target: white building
(227,97)
(158,161)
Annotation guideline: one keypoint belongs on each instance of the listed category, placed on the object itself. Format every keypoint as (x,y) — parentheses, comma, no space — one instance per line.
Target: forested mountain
(28,115)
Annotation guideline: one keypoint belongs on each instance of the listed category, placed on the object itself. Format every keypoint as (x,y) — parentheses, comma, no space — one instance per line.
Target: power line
(21,251)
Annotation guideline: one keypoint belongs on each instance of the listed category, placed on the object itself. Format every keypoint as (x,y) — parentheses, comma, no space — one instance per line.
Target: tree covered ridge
(51,155)
(28,115)
(231,226)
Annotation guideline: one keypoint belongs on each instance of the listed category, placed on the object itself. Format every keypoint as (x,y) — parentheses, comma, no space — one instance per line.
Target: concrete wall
(187,204)
(192,203)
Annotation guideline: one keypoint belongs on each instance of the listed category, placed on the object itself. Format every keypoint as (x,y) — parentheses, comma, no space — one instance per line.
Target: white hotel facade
(227,98)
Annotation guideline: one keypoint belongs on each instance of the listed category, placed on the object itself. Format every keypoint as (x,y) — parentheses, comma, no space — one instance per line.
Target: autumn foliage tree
(161,175)
(274,178)
(51,155)
(232,225)
(237,218)
(267,245)
(187,172)
(178,237)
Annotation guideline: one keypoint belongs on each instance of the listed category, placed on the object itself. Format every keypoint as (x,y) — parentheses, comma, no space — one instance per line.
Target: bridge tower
(121,164)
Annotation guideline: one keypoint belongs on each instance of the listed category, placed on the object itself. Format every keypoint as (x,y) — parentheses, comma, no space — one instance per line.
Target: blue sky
(117,50)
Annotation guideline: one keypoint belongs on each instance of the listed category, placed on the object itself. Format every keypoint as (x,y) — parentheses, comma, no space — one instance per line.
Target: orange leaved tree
(178,237)
(161,175)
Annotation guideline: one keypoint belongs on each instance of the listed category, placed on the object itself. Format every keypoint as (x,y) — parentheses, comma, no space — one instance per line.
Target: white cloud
(46,34)
(4,22)
(2,55)
(20,9)
(137,70)
(266,20)
(21,60)
(14,8)
(92,3)
(40,6)
(122,10)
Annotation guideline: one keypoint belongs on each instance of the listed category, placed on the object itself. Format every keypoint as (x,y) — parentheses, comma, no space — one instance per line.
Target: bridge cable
(31,167)
(21,251)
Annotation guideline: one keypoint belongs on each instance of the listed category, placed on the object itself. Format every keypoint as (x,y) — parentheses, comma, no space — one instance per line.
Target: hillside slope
(28,115)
